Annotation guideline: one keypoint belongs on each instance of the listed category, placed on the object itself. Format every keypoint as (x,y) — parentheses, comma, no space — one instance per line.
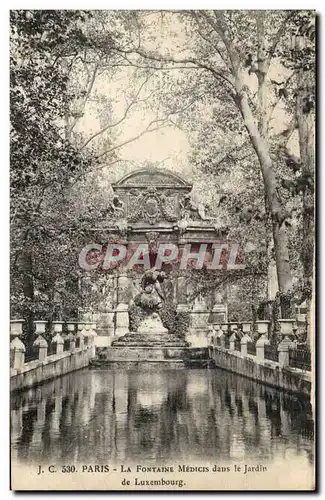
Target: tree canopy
(88,86)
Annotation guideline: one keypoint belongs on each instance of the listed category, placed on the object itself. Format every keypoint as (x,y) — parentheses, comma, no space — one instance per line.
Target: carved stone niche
(152,195)
(152,238)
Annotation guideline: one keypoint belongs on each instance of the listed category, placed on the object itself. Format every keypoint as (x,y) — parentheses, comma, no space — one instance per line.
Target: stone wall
(36,372)
(264,371)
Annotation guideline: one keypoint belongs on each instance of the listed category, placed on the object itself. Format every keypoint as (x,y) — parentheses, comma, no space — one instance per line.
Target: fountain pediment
(152,196)
(161,179)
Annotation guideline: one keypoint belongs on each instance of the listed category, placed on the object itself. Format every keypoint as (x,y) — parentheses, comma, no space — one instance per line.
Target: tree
(237,50)
(43,162)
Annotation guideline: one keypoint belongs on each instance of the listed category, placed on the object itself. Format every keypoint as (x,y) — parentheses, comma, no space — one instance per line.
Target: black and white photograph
(162,250)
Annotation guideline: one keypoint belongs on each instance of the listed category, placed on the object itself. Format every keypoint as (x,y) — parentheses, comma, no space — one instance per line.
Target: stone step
(151,365)
(149,341)
(145,340)
(154,353)
(151,336)
(143,344)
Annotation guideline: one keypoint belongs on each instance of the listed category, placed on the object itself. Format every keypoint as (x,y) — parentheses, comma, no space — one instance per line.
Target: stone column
(40,343)
(243,344)
(58,340)
(216,332)
(72,342)
(283,350)
(198,330)
(211,334)
(222,339)
(232,340)
(262,341)
(286,329)
(219,309)
(71,336)
(219,335)
(80,335)
(17,348)
(86,333)
(106,313)
(122,309)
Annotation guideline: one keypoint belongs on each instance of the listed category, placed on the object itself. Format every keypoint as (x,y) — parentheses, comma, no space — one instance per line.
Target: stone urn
(40,327)
(262,327)
(16,327)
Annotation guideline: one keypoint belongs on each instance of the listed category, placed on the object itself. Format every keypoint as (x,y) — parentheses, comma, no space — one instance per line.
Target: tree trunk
(306,143)
(305,122)
(274,204)
(257,134)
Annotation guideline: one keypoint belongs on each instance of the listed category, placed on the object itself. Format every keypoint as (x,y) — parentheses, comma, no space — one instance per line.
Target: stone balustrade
(284,365)
(54,341)
(56,351)
(235,334)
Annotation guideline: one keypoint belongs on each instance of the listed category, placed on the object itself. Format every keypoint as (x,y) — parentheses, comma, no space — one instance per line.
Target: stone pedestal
(217,332)
(80,335)
(211,335)
(199,328)
(243,344)
(283,350)
(122,309)
(262,341)
(59,342)
(71,326)
(105,328)
(41,344)
(108,323)
(221,339)
(152,325)
(105,317)
(218,314)
(122,319)
(219,309)
(17,350)
(232,341)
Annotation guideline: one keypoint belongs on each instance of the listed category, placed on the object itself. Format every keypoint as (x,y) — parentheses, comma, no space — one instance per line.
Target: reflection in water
(102,416)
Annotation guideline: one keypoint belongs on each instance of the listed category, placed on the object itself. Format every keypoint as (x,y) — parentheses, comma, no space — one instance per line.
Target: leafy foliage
(176,322)
(44,165)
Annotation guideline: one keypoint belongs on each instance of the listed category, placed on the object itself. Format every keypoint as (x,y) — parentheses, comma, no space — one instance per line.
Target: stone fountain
(150,341)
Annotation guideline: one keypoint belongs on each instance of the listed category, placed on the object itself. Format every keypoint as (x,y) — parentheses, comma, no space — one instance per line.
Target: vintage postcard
(162,178)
